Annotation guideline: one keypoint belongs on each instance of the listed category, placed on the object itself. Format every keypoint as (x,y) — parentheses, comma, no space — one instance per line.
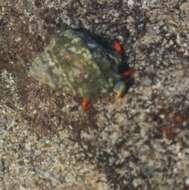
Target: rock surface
(138,142)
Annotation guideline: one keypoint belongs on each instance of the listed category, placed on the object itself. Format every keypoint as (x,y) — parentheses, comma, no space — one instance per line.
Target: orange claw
(117,47)
(85,104)
(128,73)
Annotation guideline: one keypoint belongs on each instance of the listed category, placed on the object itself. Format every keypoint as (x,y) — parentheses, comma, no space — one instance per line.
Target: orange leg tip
(129,72)
(85,104)
(117,47)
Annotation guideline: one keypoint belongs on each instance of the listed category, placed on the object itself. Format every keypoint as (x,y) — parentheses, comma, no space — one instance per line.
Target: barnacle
(76,62)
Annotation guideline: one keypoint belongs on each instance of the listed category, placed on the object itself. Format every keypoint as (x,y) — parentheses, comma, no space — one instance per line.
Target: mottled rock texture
(138,142)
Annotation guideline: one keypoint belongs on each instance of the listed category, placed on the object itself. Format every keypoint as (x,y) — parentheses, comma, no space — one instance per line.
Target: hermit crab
(83,64)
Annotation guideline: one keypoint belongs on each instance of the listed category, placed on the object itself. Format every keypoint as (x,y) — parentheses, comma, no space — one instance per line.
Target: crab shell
(78,63)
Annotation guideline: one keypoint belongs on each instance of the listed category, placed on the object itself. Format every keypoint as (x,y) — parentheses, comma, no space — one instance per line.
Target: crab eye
(119,89)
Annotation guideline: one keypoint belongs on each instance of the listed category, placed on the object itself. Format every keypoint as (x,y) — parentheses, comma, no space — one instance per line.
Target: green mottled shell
(76,63)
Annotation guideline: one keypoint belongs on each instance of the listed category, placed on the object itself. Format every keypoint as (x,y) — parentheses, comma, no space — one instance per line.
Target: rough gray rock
(138,142)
